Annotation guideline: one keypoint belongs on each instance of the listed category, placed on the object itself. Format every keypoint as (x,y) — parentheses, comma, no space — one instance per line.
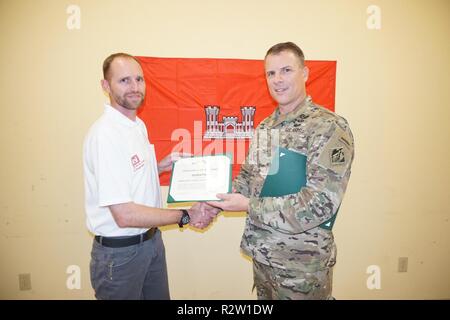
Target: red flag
(179,89)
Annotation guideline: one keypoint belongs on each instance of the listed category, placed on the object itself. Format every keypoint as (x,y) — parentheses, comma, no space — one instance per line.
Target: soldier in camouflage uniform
(288,237)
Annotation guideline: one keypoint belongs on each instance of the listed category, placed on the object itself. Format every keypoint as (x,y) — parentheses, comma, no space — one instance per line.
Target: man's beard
(128,104)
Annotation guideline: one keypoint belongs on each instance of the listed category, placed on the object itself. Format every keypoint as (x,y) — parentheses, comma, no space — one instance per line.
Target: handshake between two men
(203,213)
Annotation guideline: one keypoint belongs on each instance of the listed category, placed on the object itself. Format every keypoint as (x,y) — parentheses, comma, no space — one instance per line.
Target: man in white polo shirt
(122,191)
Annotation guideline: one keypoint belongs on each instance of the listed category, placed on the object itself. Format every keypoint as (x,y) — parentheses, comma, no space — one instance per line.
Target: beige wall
(392,86)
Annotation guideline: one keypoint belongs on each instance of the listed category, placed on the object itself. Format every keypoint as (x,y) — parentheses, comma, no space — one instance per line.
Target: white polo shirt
(119,166)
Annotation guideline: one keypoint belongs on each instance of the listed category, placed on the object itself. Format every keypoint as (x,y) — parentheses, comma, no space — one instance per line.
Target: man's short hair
(287,46)
(110,59)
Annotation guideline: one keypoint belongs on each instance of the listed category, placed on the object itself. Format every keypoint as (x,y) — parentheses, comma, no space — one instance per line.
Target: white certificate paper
(200,178)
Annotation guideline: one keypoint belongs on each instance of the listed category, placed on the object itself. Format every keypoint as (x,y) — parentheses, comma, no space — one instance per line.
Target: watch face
(185,219)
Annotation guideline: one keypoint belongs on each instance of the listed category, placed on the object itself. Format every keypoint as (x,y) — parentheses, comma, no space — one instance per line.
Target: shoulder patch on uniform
(337,156)
(336,153)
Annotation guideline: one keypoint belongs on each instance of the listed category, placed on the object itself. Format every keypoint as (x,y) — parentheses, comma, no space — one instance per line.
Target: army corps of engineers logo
(229,128)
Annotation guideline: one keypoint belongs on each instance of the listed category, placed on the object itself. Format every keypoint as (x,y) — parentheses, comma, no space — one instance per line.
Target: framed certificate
(200,178)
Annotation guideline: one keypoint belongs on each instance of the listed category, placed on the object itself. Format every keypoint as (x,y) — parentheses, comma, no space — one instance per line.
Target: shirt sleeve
(112,169)
(241,181)
(330,155)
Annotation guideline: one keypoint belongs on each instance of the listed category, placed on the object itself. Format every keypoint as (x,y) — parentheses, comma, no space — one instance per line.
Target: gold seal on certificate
(200,178)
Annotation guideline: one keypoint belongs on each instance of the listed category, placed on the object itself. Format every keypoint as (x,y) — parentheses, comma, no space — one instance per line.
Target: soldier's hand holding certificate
(200,178)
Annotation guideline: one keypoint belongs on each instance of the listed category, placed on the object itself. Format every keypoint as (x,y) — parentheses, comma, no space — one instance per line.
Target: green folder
(287,175)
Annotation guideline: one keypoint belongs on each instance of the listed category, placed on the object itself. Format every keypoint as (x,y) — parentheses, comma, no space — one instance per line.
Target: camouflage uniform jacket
(284,231)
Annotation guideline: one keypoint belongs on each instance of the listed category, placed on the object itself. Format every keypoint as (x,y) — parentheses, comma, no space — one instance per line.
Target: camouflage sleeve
(330,155)
(241,182)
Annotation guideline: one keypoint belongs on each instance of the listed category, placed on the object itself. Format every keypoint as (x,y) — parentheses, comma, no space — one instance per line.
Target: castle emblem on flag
(229,128)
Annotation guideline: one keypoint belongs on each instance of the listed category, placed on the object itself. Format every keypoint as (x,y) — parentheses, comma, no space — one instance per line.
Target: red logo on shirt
(136,162)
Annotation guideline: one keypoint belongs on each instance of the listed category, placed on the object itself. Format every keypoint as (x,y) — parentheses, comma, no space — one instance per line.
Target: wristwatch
(185,219)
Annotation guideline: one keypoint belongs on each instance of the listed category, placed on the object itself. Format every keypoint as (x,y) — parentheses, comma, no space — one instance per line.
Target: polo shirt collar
(119,117)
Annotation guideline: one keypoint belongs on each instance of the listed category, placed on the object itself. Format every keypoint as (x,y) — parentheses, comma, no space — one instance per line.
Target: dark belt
(118,242)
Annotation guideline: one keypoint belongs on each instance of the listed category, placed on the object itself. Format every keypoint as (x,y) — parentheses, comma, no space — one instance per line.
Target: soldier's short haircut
(287,46)
(110,59)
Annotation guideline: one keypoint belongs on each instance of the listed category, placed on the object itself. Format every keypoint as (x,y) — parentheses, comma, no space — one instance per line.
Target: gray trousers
(137,272)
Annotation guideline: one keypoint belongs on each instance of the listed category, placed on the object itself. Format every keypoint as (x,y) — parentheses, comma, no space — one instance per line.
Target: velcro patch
(337,156)
(336,153)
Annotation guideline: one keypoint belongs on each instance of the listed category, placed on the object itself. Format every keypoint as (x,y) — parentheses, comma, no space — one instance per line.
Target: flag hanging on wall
(210,106)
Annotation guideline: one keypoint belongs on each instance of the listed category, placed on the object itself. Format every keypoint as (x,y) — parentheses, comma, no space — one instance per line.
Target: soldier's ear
(305,73)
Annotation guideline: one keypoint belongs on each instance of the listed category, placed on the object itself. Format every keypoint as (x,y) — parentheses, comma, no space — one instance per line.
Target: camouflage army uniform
(293,257)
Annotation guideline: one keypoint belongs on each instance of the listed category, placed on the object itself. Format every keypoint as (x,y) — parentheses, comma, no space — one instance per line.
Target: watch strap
(184,214)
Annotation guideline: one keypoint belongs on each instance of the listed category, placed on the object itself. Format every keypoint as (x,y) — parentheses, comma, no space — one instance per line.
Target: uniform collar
(277,118)
(119,117)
